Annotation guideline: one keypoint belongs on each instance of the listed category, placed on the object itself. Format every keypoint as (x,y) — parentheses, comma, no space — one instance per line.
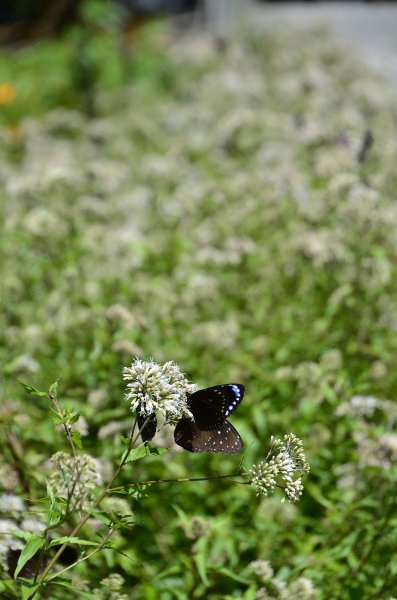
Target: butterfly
(210,431)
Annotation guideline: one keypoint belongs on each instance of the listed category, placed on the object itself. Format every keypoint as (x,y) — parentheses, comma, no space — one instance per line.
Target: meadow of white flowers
(238,217)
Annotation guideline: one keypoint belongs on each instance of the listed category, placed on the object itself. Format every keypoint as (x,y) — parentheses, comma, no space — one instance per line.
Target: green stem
(180,480)
(54,400)
(83,521)
(83,558)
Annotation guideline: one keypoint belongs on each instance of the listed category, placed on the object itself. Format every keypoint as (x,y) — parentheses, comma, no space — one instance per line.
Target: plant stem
(54,400)
(180,480)
(83,558)
(83,521)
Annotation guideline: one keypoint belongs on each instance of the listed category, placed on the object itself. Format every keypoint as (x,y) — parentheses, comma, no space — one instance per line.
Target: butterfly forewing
(223,439)
(210,407)
(149,429)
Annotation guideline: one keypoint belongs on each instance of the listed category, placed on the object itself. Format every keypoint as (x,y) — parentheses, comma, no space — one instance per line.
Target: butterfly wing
(149,429)
(210,407)
(223,439)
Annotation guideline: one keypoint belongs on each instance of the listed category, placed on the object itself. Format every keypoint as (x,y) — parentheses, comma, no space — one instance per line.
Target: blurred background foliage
(223,208)
(84,45)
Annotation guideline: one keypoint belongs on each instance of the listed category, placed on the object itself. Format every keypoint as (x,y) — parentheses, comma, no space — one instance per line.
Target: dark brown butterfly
(210,431)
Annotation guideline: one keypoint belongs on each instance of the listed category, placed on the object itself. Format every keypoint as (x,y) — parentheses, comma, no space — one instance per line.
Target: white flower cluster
(75,478)
(262,568)
(314,379)
(359,406)
(111,587)
(157,388)
(373,450)
(283,467)
(14,516)
(12,504)
(299,589)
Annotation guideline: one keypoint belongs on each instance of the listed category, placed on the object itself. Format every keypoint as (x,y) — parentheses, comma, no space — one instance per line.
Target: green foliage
(214,212)
(94,54)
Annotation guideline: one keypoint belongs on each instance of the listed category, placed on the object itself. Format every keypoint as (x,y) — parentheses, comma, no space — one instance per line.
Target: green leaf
(27,589)
(141,451)
(76,437)
(51,495)
(24,535)
(67,539)
(199,559)
(232,575)
(103,516)
(30,389)
(316,493)
(73,417)
(33,545)
(53,389)
(62,581)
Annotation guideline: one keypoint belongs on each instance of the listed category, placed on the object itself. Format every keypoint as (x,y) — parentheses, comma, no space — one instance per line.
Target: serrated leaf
(141,451)
(33,545)
(53,389)
(134,492)
(30,389)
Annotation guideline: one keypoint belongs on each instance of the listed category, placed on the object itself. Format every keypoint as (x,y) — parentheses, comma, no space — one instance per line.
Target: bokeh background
(214,184)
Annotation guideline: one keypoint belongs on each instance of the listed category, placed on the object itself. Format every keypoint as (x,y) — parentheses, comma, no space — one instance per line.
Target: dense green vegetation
(229,213)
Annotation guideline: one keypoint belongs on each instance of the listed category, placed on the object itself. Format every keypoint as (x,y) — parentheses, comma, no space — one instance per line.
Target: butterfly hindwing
(149,430)
(211,407)
(223,439)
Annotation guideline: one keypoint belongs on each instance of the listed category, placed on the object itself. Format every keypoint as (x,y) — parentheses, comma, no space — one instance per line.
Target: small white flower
(283,467)
(359,406)
(302,589)
(294,489)
(75,478)
(152,387)
(262,568)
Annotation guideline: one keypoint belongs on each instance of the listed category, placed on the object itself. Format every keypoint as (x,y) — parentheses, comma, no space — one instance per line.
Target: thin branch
(179,480)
